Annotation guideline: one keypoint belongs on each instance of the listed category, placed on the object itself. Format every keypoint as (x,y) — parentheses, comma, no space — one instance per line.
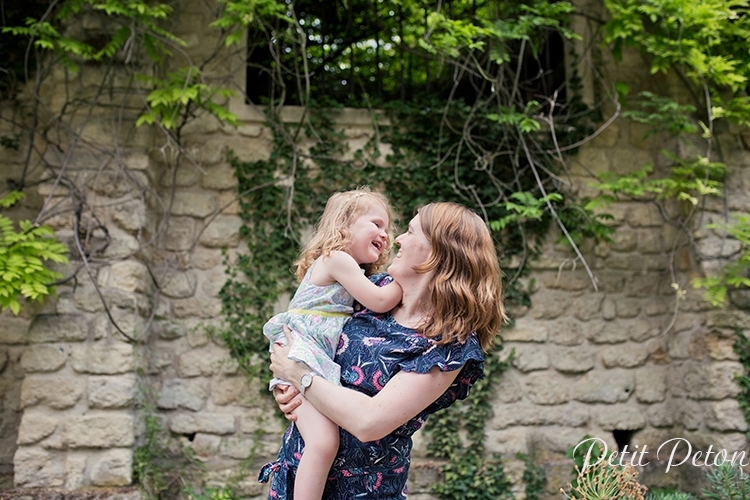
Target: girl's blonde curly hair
(332,231)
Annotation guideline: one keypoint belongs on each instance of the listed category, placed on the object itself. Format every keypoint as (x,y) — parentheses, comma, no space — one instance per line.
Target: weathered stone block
(213,281)
(644,215)
(203,307)
(112,468)
(714,381)
(194,204)
(725,415)
(206,446)
(506,415)
(728,319)
(104,358)
(75,471)
(209,423)
(180,233)
(206,361)
(661,415)
(547,307)
(167,330)
(627,356)
(111,392)
(35,468)
(624,240)
(186,175)
(620,417)
(189,394)
(509,389)
(546,388)
(603,332)
(507,442)
(53,328)
(567,331)
(104,430)
(587,307)
(628,308)
(650,384)
(641,286)
(35,426)
(43,358)
(227,390)
(573,359)
(180,285)
(13,330)
(609,309)
(220,177)
(608,386)
(129,275)
(130,215)
(526,331)
(3,360)
(237,447)
(530,357)
(224,231)
(55,392)
(206,258)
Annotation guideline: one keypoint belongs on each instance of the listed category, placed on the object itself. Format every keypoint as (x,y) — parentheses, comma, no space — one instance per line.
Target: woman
(399,367)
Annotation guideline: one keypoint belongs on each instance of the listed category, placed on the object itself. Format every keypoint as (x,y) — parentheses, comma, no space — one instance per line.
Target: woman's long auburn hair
(332,231)
(466,289)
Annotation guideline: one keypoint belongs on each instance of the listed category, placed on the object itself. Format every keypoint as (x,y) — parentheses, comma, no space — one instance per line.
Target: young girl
(352,240)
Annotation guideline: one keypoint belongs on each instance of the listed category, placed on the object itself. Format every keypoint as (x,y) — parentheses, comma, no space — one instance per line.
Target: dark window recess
(354,57)
(622,438)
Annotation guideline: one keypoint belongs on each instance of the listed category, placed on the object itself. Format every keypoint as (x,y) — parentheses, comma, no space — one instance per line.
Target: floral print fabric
(371,349)
(316,315)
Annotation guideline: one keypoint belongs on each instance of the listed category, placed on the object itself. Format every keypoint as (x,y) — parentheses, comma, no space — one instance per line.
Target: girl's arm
(367,418)
(341,267)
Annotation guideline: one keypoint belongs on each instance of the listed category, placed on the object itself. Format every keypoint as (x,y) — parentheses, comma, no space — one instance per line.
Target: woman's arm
(367,417)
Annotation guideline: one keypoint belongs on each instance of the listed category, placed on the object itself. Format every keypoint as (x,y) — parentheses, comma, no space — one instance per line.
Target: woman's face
(413,249)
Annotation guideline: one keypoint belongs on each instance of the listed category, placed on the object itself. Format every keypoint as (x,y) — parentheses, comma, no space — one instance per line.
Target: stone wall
(74,388)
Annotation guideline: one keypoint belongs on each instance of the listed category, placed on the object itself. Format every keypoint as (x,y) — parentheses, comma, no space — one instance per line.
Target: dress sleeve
(466,356)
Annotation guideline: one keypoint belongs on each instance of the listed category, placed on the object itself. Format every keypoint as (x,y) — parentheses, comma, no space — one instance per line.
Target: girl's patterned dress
(373,348)
(316,315)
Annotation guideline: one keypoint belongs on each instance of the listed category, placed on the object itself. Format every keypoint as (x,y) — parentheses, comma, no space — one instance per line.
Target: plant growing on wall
(23,259)
(696,41)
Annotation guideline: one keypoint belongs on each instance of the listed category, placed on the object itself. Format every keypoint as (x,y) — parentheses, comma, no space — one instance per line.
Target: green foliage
(526,206)
(134,25)
(688,180)
(698,40)
(663,113)
(23,257)
(533,477)
(469,473)
(735,274)
(742,348)
(698,37)
(669,495)
(175,98)
(727,482)
(131,19)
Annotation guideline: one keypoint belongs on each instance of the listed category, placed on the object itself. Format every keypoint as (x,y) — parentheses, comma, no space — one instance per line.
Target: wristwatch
(305,381)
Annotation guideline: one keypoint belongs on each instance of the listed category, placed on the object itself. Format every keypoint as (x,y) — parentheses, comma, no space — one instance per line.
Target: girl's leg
(321,445)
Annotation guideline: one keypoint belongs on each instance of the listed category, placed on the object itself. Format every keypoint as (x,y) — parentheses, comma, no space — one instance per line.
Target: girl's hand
(286,398)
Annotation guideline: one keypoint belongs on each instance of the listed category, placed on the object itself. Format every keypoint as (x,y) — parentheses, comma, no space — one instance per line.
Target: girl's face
(369,234)
(414,249)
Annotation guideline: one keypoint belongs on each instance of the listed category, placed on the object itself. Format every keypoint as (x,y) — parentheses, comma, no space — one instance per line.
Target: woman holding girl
(399,367)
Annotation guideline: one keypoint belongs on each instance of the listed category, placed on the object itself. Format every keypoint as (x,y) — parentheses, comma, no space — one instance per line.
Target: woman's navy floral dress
(373,348)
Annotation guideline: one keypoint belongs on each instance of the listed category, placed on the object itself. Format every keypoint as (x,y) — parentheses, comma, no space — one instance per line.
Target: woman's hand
(286,398)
